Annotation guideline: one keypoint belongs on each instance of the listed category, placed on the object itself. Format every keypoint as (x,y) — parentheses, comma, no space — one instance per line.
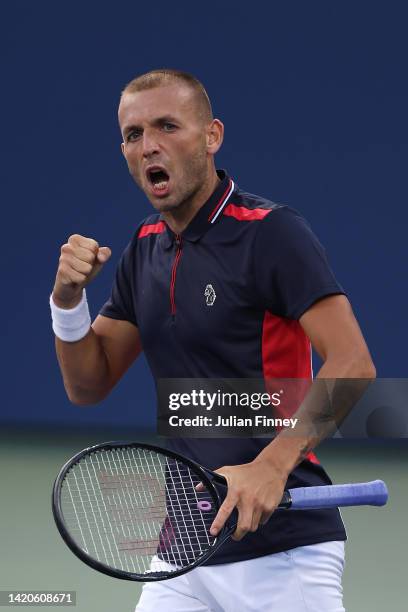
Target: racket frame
(206,476)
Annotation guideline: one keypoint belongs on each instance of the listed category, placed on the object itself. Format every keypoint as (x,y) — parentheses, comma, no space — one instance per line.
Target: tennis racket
(132,510)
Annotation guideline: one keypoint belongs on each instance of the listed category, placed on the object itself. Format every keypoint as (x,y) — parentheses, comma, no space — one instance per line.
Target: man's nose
(150,144)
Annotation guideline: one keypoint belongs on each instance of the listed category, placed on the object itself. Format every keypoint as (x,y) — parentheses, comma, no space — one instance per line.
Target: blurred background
(314,97)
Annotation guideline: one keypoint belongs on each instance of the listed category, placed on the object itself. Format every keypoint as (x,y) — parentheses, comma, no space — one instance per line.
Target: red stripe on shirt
(246,214)
(156,228)
(286,353)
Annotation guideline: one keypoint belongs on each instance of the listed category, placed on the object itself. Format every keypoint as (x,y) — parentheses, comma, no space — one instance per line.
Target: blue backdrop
(314,99)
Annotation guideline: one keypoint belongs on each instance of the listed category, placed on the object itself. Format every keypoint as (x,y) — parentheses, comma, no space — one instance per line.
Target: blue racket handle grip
(357,494)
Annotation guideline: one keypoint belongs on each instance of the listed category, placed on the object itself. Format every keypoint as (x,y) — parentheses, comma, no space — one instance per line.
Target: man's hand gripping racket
(139,512)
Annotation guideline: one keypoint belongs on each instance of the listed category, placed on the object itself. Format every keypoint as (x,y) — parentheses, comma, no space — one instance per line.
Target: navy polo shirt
(223,300)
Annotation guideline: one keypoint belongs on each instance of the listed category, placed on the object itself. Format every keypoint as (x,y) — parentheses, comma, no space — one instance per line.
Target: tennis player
(217,283)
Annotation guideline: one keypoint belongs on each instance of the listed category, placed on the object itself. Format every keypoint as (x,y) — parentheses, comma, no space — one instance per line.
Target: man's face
(165,144)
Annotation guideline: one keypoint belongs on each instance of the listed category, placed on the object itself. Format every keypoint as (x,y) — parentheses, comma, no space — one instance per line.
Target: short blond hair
(164,76)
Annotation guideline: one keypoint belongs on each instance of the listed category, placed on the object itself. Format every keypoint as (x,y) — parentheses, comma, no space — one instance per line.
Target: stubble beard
(193,180)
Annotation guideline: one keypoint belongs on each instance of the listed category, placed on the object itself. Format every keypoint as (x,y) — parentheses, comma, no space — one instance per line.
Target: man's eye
(132,136)
(168,127)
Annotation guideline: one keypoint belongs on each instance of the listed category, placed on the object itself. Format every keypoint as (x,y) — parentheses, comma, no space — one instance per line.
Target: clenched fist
(80,261)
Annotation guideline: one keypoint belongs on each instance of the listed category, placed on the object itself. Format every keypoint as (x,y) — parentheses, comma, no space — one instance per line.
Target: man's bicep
(332,327)
(121,343)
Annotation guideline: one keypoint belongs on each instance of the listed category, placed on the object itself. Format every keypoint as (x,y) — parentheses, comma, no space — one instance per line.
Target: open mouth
(158,178)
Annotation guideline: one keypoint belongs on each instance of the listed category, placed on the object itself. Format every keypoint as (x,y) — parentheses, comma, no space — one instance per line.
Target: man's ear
(215,136)
(122,146)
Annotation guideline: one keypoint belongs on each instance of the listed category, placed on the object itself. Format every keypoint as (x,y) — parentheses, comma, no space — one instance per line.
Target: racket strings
(136,510)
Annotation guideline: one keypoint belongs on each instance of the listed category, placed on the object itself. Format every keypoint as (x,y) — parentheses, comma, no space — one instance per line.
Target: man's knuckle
(93,244)
(88,256)
(232,503)
(258,507)
(245,526)
(233,493)
(87,268)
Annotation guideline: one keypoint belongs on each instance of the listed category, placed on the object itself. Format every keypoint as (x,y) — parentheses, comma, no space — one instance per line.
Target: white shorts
(304,579)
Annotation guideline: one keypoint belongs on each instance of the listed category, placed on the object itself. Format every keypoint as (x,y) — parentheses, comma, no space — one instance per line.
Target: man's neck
(178,219)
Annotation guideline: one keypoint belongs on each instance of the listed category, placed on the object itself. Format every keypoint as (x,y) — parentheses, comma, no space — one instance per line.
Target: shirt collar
(207,215)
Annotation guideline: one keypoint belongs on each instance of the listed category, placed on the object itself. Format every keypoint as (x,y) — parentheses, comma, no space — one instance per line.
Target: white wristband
(71,324)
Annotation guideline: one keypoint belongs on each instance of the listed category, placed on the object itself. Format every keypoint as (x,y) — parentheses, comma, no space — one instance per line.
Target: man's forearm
(85,369)
(326,405)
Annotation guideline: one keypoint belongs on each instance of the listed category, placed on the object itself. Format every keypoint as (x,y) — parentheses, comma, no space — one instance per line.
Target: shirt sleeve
(291,267)
(121,304)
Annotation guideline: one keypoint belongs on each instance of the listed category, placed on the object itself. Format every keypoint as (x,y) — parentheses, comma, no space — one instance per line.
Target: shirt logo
(209,295)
